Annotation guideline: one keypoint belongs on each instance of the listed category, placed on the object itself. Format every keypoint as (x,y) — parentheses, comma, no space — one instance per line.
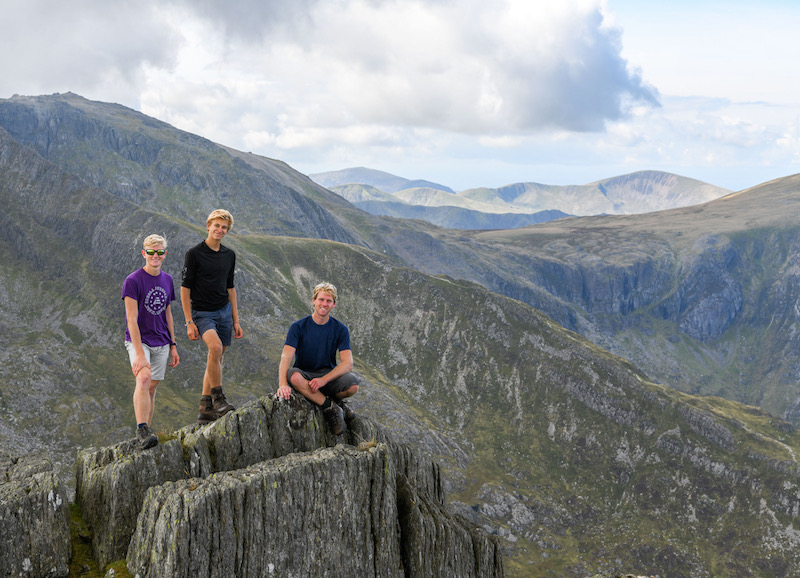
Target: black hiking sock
(141,425)
(327,403)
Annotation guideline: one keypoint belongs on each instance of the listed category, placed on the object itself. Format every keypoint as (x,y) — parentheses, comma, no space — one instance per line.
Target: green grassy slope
(569,452)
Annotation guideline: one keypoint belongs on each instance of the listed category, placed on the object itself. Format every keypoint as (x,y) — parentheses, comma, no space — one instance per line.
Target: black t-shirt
(208,274)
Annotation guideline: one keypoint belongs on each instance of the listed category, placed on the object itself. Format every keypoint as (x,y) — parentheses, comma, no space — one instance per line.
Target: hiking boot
(335,418)
(349,414)
(221,405)
(146,438)
(207,413)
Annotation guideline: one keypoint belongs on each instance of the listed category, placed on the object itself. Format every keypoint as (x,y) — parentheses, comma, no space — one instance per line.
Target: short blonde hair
(153,240)
(221,214)
(325,287)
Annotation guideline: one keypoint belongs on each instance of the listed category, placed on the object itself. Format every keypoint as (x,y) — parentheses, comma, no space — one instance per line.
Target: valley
(606,394)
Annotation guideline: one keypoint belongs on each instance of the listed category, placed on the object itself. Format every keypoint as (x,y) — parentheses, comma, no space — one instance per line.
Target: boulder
(34,519)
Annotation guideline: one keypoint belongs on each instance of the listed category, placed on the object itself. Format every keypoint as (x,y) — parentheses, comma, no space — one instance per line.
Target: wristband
(188,323)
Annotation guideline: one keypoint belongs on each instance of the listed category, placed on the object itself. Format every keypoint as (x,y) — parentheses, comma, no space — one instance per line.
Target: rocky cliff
(267,491)
(34,522)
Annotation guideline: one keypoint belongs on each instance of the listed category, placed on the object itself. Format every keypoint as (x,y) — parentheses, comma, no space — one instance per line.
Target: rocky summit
(266,490)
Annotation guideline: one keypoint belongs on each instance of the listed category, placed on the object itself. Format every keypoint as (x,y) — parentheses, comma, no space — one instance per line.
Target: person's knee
(297,381)
(143,379)
(349,392)
(215,349)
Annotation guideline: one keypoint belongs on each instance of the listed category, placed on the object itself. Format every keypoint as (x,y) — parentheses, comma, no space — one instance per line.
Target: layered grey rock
(34,519)
(266,491)
(332,512)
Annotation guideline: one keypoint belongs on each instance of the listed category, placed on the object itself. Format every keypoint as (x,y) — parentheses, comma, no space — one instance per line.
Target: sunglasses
(154,251)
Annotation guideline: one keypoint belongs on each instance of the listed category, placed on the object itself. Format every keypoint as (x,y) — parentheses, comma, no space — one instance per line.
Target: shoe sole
(149,443)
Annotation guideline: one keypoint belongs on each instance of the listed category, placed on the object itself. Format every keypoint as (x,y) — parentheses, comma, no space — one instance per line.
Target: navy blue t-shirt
(316,345)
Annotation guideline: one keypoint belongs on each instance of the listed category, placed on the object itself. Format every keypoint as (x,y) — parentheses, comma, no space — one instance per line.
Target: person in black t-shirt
(208,297)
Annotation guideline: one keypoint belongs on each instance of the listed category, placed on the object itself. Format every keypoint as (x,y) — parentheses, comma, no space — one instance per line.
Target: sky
(465,93)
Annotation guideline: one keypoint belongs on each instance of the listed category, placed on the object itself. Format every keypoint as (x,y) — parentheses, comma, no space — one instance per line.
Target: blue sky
(467,93)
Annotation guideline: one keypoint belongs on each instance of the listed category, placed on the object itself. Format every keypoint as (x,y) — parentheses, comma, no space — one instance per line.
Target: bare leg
(153,385)
(142,401)
(213,374)
(349,392)
(300,383)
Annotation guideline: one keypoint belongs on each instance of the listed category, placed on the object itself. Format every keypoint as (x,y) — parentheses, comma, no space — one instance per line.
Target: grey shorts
(156,356)
(341,383)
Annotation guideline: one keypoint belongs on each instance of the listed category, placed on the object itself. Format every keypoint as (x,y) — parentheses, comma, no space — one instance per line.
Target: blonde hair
(325,287)
(221,214)
(153,240)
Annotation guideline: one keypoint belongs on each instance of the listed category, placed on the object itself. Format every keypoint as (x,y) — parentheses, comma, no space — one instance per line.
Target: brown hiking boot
(221,405)
(146,438)
(349,414)
(207,413)
(335,418)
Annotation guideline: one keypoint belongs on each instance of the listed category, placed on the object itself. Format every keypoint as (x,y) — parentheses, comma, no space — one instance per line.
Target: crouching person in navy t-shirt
(313,342)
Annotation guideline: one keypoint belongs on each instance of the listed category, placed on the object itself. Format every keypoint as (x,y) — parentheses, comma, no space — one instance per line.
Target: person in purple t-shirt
(313,343)
(150,333)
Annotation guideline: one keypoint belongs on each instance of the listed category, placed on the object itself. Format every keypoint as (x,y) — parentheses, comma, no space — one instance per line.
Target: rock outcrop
(267,491)
(34,519)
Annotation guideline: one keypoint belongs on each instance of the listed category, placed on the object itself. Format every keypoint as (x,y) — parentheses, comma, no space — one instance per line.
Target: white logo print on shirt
(156,301)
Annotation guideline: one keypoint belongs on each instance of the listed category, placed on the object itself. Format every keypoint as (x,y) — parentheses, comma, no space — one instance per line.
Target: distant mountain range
(582,382)
(378,179)
(515,205)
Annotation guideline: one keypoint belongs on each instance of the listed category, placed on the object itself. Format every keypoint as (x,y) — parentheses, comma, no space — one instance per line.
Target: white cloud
(472,92)
(88,46)
(463,66)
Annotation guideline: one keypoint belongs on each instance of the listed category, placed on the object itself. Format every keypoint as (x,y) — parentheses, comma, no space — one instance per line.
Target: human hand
(139,363)
(192,332)
(316,383)
(284,392)
(237,330)
(175,359)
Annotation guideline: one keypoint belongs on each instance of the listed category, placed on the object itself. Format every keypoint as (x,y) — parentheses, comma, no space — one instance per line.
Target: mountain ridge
(545,438)
(379,179)
(639,192)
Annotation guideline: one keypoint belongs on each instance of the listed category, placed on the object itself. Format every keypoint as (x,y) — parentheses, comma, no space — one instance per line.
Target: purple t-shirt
(153,294)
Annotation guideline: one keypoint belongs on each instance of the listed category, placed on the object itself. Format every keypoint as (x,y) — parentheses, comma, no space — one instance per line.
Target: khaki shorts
(156,356)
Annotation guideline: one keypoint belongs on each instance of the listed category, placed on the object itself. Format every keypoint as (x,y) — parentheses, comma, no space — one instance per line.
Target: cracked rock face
(34,519)
(266,491)
(301,515)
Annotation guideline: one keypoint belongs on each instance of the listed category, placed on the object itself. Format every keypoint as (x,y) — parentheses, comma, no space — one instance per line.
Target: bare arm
(237,329)
(132,318)
(186,304)
(284,389)
(345,364)
(175,359)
